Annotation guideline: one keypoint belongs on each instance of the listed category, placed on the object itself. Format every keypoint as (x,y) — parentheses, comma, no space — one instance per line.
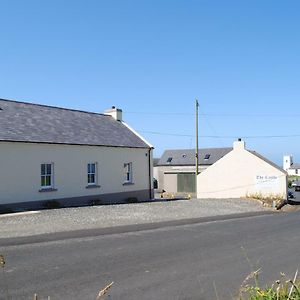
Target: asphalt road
(173,262)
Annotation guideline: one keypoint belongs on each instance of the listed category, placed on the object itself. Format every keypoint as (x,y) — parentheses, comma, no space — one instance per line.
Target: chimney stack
(116,113)
(239,144)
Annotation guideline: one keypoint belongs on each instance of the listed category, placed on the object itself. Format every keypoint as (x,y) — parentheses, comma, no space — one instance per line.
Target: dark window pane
(93,168)
(43,181)
(48,180)
(207,156)
(43,169)
(49,169)
(92,178)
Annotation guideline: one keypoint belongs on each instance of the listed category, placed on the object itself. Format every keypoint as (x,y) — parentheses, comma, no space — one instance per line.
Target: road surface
(173,262)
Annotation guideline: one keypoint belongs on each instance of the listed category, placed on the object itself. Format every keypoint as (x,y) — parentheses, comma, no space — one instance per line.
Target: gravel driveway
(59,220)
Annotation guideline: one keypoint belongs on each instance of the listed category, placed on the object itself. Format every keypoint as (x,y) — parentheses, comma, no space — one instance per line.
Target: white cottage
(242,173)
(71,156)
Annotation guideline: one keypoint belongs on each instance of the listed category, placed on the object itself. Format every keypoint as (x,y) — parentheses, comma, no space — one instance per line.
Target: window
(296,171)
(207,156)
(169,159)
(47,175)
(128,172)
(92,173)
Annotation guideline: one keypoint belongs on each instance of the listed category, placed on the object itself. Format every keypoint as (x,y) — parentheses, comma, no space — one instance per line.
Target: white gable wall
(20,173)
(238,174)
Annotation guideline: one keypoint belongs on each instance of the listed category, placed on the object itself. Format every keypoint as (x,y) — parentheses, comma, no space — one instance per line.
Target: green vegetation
(284,289)
(95,202)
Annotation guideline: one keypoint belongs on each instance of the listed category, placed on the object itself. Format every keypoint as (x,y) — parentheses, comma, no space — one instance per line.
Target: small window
(207,156)
(296,171)
(169,159)
(47,175)
(128,172)
(92,173)
(183,155)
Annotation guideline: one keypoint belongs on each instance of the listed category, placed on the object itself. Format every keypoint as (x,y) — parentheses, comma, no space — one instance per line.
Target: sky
(152,59)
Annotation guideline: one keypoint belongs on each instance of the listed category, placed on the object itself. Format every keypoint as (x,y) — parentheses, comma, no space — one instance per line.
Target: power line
(222,136)
(213,114)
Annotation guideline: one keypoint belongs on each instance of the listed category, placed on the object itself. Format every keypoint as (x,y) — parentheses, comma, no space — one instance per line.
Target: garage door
(186,183)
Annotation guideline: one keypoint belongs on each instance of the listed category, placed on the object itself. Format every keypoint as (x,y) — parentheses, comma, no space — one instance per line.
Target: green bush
(95,202)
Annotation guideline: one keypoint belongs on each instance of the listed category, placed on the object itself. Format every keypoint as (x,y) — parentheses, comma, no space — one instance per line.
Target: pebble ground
(66,219)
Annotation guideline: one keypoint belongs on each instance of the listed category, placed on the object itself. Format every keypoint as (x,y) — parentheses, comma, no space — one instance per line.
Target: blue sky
(240,59)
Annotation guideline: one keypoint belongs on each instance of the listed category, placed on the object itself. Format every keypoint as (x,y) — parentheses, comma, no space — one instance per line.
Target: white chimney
(239,145)
(116,113)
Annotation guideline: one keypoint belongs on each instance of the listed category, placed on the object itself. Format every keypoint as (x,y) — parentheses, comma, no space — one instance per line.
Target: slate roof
(295,166)
(27,122)
(186,157)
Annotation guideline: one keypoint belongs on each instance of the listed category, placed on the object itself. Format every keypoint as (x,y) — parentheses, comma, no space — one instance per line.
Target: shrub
(52,204)
(95,202)
(279,290)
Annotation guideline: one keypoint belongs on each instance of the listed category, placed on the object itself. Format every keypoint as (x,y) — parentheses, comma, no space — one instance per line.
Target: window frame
(46,174)
(128,173)
(95,173)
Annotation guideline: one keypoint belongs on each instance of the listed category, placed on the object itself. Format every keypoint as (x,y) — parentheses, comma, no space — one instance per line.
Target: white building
(73,157)
(290,167)
(242,173)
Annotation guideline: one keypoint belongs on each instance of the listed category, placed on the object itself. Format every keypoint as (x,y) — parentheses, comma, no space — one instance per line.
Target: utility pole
(197,149)
(197,146)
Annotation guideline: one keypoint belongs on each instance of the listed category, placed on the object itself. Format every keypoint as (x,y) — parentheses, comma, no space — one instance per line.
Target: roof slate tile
(27,122)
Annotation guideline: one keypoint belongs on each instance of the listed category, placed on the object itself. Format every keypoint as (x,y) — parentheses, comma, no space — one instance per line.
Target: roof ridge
(199,148)
(56,107)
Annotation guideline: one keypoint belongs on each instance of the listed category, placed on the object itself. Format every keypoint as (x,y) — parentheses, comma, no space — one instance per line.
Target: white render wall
(241,173)
(293,172)
(20,176)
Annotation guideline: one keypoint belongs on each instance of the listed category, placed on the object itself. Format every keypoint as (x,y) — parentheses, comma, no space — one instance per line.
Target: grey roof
(27,122)
(267,161)
(155,161)
(186,157)
(295,166)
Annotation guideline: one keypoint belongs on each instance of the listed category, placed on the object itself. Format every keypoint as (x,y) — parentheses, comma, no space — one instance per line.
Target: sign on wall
(266,181)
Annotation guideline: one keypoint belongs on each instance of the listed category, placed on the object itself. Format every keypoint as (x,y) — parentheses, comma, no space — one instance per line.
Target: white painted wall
(287,162)
(236,176)
(20,170)
(293,172)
